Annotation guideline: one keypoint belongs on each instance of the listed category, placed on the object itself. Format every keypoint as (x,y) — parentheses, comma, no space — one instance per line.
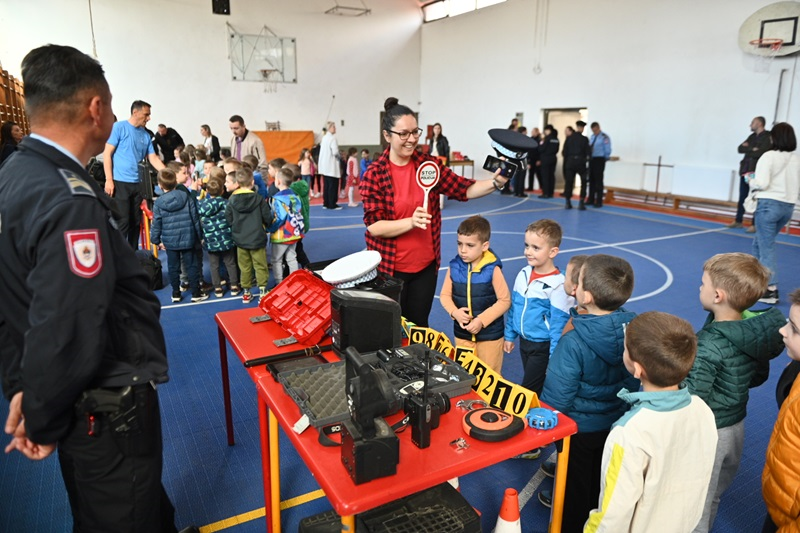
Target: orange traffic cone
(508,521)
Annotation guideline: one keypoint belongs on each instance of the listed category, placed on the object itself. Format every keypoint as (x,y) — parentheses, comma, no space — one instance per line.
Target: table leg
(264,437)
(559,487)
(226,385)
(275,472)
(348,524)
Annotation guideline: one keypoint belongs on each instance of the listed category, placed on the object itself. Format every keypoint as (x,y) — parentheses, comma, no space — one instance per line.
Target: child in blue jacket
(585,374)
(176,229)
(539,306)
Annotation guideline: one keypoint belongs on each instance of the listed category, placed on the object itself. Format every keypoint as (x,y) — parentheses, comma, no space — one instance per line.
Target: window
(440,9)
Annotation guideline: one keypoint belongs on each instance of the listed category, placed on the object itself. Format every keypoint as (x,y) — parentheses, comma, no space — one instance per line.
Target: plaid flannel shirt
(377,193)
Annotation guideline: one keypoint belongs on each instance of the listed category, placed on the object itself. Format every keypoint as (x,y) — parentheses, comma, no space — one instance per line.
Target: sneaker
(530,454)
(262,291)
(734,224)
(546,498)
(200,297)
(205,287)
(770,297)
(750,229)
(184,286)
(337,208)
(176,297)
(246,296)
(219,292)
(548,468)
(223,282)
(235,290)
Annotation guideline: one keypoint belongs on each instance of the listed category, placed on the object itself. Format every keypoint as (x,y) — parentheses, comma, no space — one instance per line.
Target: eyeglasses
(406,134)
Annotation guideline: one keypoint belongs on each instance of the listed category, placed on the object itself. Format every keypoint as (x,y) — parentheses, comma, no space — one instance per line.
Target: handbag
(751,202)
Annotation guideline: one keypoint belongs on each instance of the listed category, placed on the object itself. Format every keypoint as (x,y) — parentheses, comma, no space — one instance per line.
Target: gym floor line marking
(255,514)
(530,488)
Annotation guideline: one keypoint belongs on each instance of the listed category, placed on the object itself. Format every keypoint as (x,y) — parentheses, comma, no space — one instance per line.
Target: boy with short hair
(539,306)
(365,162)
(248,215)
(287,227)
(176,229)
(251,162)
(734,349)
(182,177)
(571,277)
(658,457)
(477,313)
(303,191)
(585,374)
(217,233)
(780,482)
(273,167)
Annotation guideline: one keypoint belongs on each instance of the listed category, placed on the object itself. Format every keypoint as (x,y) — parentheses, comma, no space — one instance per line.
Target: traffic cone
(508,521)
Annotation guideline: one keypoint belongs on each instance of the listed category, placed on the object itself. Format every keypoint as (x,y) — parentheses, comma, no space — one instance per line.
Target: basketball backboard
(775,21)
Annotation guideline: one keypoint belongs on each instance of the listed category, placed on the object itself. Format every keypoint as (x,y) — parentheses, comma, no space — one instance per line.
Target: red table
(439,463)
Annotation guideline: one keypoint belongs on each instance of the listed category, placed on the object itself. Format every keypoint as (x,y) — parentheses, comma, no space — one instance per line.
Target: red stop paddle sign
(427,178)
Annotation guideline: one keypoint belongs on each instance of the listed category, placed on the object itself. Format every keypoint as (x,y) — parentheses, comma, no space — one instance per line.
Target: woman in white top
(777,180)
(211,143)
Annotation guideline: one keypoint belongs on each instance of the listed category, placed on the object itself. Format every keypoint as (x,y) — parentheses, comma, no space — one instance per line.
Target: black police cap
(511,143)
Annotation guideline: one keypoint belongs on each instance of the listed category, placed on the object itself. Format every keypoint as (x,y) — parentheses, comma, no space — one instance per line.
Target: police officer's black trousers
(128,215)
(114,482)
(597,166)
(570,170)
(547,178)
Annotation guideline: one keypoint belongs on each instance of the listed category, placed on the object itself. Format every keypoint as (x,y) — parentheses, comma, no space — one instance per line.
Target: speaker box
(221,7)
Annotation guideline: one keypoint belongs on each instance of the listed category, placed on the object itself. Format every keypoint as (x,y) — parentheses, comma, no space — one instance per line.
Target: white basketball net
(765,51)
(270,85)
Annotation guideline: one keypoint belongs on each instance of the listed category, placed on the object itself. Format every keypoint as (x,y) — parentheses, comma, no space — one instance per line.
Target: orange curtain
(286,144)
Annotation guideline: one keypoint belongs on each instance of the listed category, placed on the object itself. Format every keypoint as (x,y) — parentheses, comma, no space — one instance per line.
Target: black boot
(581,205)
(569,204)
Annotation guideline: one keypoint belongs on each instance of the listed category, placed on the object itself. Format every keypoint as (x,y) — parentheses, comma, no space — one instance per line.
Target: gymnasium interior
(674,84)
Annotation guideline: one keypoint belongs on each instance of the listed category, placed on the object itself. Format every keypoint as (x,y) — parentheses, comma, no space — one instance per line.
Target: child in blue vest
(475,293)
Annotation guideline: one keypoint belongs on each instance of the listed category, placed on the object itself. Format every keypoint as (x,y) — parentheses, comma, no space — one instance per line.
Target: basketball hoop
(270,83)
(765,51)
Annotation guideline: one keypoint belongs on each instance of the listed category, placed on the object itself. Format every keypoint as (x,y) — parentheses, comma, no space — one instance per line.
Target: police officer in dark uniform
(83,348)
(548,157)
(576,154)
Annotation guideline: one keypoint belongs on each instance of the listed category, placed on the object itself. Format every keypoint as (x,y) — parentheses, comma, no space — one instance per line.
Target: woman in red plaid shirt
(407,236)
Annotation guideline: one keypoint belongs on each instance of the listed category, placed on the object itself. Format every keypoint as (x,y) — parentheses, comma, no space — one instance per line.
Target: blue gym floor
(210,482)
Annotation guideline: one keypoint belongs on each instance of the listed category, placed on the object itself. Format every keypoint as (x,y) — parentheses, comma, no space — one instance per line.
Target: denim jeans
(175,258)
(770,217)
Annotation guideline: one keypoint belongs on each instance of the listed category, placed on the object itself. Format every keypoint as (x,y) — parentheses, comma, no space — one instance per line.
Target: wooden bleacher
(12,101)
(709,208)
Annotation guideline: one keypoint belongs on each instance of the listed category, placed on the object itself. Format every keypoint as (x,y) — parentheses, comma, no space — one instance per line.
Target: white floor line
(211,300)
(530,488)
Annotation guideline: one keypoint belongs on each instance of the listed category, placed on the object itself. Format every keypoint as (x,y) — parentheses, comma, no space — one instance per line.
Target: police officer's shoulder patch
(84,252)
(77,185)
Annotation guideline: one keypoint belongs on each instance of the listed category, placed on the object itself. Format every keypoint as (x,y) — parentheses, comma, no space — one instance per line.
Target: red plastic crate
(301,304)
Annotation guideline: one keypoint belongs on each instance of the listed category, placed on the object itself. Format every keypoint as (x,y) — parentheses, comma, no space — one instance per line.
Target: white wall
(662,78)
(174,55)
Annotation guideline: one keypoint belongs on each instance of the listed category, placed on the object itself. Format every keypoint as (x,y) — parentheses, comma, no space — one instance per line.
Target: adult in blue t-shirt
(128,145)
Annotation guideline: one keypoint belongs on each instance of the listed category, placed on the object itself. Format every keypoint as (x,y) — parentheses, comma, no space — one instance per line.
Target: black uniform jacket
(76,310)
(576,150)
